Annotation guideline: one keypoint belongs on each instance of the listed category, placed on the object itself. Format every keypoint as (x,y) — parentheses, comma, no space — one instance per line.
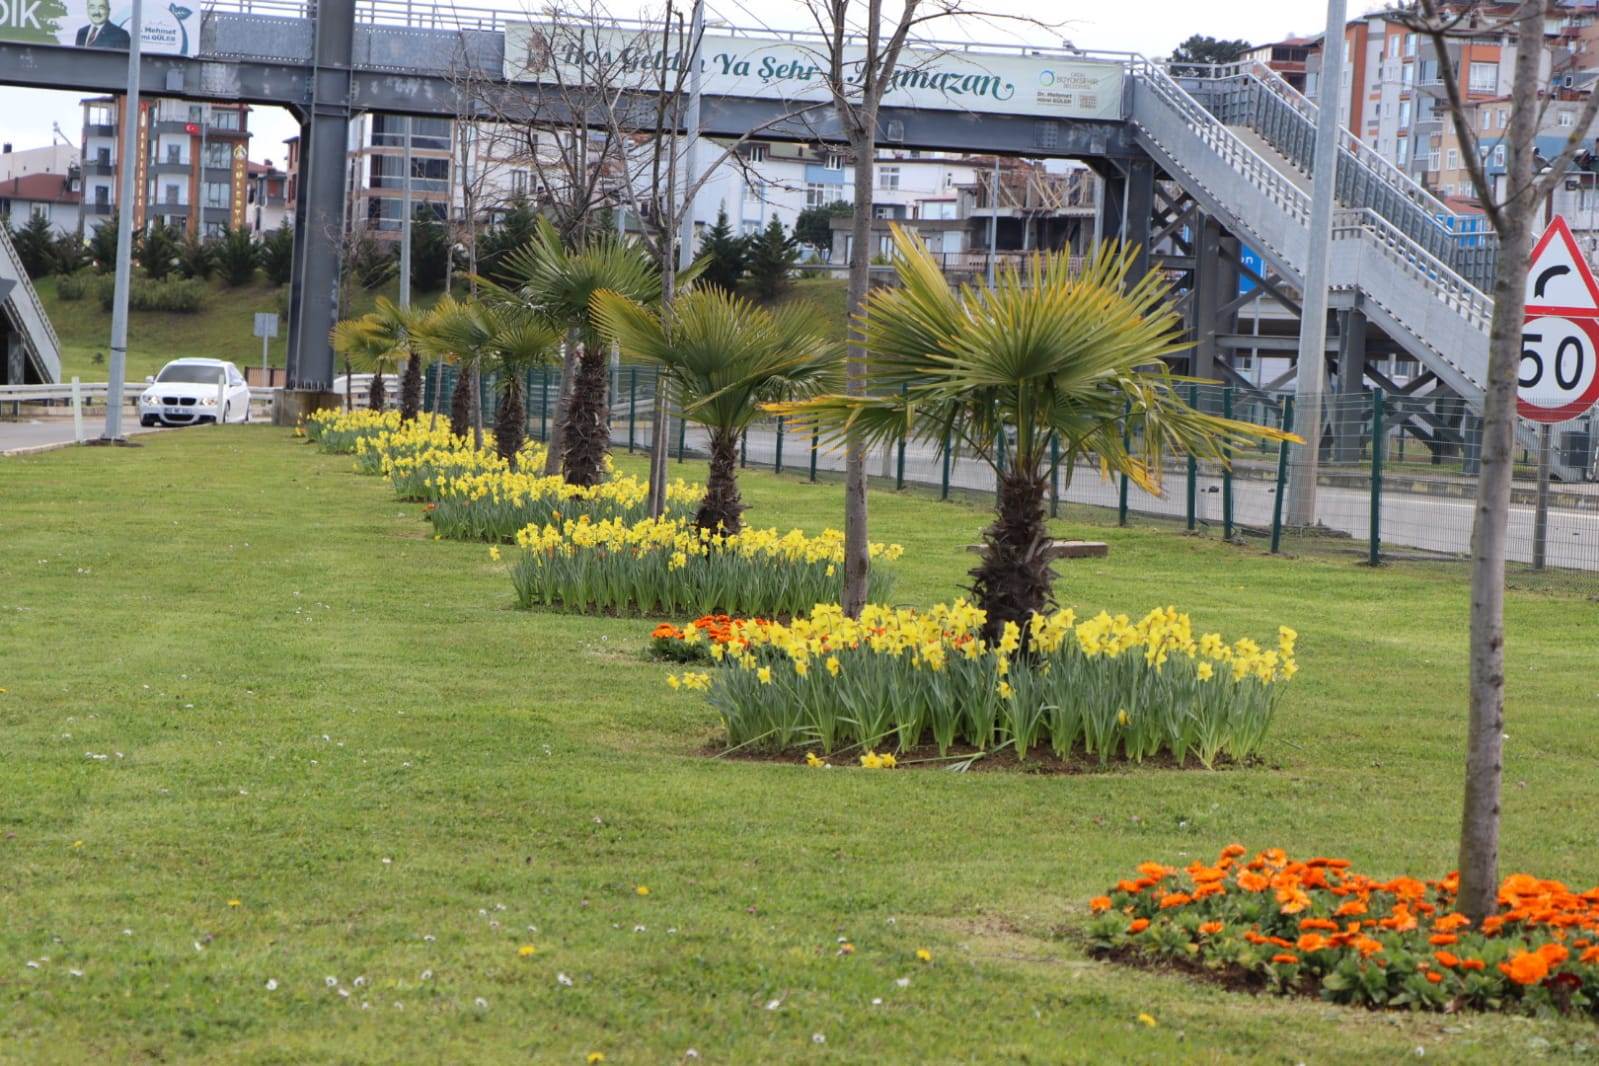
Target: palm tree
(557,284)
(504,339)
(724,356)
(1048,352)
(366,343)
(398,323)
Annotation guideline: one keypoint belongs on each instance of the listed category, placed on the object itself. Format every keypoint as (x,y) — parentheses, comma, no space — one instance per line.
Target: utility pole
(1311,381)
(119,298)
(405,224)
(993,223)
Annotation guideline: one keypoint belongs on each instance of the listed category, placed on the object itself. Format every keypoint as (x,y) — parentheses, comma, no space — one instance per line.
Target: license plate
(173,411)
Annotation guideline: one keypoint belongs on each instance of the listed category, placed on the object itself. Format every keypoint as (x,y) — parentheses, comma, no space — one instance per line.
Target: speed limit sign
(1558,378)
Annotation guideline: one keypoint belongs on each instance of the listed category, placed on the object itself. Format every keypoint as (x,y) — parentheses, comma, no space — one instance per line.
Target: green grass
(292,683)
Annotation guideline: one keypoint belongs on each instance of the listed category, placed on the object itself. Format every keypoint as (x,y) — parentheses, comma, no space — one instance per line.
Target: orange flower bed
(1315,926)
(691,643)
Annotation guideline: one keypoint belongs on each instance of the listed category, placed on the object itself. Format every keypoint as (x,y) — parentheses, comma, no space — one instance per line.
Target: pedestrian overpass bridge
(1198,163)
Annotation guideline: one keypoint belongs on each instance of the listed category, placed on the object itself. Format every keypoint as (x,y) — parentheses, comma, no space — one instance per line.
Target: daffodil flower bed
(336,431)
(1317,927)
(901,678)
(668,566)
(494,505)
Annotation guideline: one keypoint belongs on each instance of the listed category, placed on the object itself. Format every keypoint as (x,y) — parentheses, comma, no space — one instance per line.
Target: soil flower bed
(896,678)
(670,566)
(1317,927)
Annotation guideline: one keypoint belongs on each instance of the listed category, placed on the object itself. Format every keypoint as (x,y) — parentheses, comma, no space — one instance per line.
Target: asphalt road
(41,434)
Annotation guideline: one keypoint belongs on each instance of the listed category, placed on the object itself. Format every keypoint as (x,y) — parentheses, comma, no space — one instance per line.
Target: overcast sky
(1152,27)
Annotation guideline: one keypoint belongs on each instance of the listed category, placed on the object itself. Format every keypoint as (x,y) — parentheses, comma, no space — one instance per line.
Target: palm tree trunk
(510,420)
(411,389)
(555,444)
(461,406)
(375,393)
(1014,578)
(857,554)
(587,437)
(721,509)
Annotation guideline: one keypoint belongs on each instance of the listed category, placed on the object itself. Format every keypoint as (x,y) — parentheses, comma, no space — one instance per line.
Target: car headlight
(208,401)
(150,399)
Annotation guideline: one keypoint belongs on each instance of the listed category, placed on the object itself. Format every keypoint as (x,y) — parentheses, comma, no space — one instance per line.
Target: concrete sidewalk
(34,435)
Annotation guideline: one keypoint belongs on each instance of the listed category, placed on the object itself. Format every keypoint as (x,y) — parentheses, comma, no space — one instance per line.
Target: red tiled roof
(39,188)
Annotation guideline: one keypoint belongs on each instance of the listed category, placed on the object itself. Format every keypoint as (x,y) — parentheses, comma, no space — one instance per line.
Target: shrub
(70,253)
(157,250)
(277,254)
(196,259)
(1317,927)
(1105,685)
(76,286)
(667,566)
(770,260)
(236,254)
(173,296)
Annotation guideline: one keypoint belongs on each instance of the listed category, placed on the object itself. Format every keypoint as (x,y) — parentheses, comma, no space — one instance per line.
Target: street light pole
(1311,380)
(119,298)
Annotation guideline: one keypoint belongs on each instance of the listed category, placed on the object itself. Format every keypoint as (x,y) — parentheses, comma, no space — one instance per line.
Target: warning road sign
(1558,378)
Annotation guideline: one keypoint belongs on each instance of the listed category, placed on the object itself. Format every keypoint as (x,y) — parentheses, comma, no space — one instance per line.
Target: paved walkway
(42,434)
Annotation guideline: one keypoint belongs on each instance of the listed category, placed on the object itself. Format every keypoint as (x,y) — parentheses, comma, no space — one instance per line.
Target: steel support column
(1210,294)
(319,208)
(1350,423)
(1137,207)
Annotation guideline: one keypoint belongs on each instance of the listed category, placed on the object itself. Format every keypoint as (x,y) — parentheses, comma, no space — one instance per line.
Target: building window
(815,194)
(757,153)
(1410,43)
(1402,152)
(174,153)
(883,211)
(834,161)
(1487,119)
(1565,118)
(196,112)
(888,178)
(1499,155)
(213,230)
(518,183)
(217,155)
(1404,114)
(172,194)
(1452,159)
(224,118)
(216,194)
(1483,78)
(1408,77)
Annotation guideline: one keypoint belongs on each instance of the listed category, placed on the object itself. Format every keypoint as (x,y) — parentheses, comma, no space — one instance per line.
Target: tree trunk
(857,556)
(555,445)
(411,389)
(349,393)
(375,393)
(461,407)
(587,437)
(1014,579)
(1479,826)
(721,509)
(477,406)
(510,420)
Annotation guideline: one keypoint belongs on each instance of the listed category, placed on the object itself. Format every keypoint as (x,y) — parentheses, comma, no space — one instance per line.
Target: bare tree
(1513,216)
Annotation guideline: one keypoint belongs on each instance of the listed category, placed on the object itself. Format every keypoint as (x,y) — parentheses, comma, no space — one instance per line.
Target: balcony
(165,167)
(99,129)
(98,208)
(95,168)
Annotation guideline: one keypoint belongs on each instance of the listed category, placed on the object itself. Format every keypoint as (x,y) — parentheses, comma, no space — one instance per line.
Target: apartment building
(375,174)
(55,197)
(266,198)
(50,159)
(191,171)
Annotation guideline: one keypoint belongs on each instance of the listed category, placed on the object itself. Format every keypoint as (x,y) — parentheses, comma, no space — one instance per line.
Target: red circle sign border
(1565,412)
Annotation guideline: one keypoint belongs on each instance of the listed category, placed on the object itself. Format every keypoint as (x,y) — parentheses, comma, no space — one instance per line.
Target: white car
(188,391)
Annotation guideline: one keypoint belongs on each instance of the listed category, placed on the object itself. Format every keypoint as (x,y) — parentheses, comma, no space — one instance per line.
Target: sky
(1151,27)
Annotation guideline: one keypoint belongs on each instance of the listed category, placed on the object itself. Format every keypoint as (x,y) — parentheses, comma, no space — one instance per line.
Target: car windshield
(191,374)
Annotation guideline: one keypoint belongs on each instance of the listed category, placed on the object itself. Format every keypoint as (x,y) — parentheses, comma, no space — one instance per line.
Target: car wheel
(147,421)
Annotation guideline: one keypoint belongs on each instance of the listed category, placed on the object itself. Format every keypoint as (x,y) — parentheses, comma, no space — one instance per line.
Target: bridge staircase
(29,350)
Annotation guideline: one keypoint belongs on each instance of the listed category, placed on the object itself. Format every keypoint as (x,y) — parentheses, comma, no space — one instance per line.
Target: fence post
(1540,514)
(544,406)
(943,485)
(1282,478)
(1054,475)
(1193,469)
(999,466)
(744,448)
(899,471)
(632,404)
(816,443)
(1227,472)
(77,411)
(682,435)
(1376,476)
(777,459)
(1127,443)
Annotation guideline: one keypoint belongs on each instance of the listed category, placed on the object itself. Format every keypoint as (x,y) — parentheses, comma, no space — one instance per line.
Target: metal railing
(24,290)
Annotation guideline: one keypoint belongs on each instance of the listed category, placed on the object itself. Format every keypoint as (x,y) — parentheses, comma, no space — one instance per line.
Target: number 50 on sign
(1558,378)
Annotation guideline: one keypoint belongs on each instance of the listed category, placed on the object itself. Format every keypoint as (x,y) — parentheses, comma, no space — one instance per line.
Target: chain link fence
(1397,478)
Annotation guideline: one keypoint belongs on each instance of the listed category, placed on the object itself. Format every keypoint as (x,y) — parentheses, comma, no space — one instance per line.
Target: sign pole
(119,298)
(1540,518)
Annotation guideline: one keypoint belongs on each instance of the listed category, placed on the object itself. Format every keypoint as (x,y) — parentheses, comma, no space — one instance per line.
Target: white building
(51,159)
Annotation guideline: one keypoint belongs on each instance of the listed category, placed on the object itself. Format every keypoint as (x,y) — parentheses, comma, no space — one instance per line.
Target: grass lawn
(235,670)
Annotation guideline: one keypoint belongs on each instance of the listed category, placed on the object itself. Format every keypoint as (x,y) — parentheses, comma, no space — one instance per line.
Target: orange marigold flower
(1554,954)
(1591,955)
(1293,900)
(1153,869)
(1254,937)
(1099,903)
(1326,924)
(1139,925)
(1252,882)
(1232,851)
(1350,907)
(1473,964)
(1434,976)
(1275,857)
(1129,886)
(1447,958)
(1439,940)
(1206,874)
(1525,967)
(1491,924)
(1367,946)
(1175,899)
(1285,959)
(1212,928)
(1214,888)
(1450,922)
(1311,942)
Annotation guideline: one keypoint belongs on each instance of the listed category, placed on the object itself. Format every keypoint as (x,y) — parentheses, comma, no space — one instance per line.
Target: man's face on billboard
(99,11)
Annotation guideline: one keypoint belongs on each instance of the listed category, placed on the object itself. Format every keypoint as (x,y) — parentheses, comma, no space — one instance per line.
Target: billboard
(792,70)
(169,29)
